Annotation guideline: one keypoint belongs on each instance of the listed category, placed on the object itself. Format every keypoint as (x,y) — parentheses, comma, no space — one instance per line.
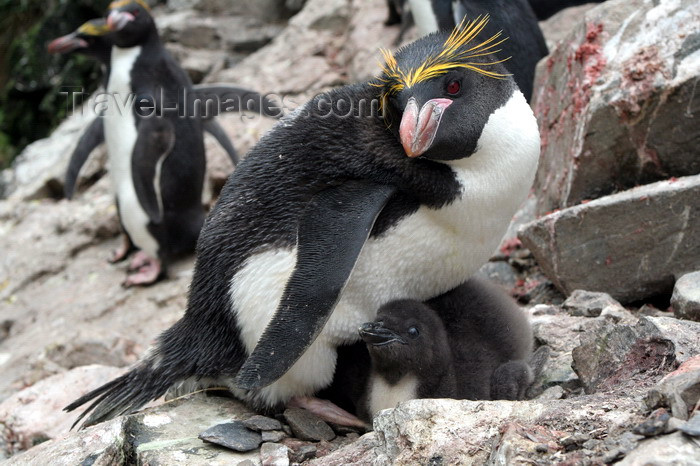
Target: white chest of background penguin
(331,216)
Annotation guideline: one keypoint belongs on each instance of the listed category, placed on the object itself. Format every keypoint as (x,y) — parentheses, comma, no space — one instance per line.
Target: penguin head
(92,37)
(130,22)
(407,336)
(438,92)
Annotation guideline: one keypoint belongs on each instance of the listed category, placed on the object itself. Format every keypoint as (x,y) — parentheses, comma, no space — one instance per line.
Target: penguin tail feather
(123,395)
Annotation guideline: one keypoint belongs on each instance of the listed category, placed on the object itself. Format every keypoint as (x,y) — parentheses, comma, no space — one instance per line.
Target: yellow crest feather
(453,55)
(121,3)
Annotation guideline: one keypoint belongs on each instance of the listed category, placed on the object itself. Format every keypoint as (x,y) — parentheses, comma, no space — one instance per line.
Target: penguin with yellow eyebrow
(515,18)
(338,210)
(93,39)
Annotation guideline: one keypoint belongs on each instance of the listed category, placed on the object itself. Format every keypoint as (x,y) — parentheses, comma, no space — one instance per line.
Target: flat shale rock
(686,297)
(232,435)
(615,101)
(588,303)
(630,245)
(307,426)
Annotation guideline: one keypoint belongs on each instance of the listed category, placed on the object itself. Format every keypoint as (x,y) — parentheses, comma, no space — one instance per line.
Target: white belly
(422,256)
(120,136)
(384,396)
(424,16)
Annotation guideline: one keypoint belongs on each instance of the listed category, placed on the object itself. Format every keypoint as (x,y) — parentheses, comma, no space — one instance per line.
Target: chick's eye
(453,87)
(413,332)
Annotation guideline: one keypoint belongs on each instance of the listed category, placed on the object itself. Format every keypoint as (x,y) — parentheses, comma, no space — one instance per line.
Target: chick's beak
(417,130)
(118,19)
(66,44)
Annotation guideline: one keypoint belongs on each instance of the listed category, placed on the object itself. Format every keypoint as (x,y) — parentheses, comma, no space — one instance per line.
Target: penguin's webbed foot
(327,411)
(149,271)
(122,252)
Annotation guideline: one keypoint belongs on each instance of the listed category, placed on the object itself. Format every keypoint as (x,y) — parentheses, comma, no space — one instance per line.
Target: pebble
(272,435)
(307,426)
(274,454)
(588,303)
(233,435)
(655,424)
(261,423)
(685,300)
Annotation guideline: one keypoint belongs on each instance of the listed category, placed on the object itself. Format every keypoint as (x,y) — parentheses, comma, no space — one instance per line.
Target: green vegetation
(30,78)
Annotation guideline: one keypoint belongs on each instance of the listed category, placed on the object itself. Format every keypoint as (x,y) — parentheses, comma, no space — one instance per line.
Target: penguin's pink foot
(122,251)
(327,411)
(147,274)
(139,260)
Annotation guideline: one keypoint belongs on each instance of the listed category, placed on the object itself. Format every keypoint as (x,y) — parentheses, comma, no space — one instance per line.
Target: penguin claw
(147,274)
(328,411)
(139,260)
(122,252)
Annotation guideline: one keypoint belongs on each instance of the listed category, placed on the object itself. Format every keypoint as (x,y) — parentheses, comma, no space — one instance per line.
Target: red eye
(453,87)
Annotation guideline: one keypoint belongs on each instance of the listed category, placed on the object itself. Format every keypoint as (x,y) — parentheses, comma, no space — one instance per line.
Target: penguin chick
(338,210)
(410,357)
(472,342)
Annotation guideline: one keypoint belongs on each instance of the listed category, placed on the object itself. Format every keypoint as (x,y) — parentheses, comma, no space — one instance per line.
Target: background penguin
(525,45)
(546,8)
(338,210)
(472,343)
(94,40)
(156,157)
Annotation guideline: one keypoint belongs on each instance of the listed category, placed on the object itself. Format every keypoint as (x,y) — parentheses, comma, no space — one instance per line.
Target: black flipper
(232,99)
(92,137)
(331,234)
(154,143)
(215,129)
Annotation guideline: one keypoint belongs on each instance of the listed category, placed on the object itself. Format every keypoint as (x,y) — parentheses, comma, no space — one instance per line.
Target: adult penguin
(156,155)
(525,44)
(93,39)
(338,210)
(545,8)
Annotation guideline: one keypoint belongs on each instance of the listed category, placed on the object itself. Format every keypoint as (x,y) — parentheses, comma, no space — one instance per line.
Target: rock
(233,435)
(692,426)
(588,303)
(560,332)
(272,435)
(685,300)
(36,414)
(519,444)
(668,449)
(168,433)
(262,423)
(307,426)
(299,450)
(554,392)
(274,454)
(629,245)
(614,356)
(366,450)
(679,390)
(655,424)
(614,102)
(500,272)
(557,27)
(99,445)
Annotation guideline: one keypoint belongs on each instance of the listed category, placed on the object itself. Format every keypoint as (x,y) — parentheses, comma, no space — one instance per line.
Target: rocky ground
(615,211)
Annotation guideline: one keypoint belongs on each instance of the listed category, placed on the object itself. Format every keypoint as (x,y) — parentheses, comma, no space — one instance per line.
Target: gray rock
(629,245)
(560,332)
(615,102)
(500,272)
(100,445)
(233,435)
(679,390)
(675,449)
(555,392)
(308,426)
(692,426)
(613,356)
(299,450)
(588,303)
(655,424)
(272,435)
(686,297)
(274,454)
(261,423)
(34,414)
